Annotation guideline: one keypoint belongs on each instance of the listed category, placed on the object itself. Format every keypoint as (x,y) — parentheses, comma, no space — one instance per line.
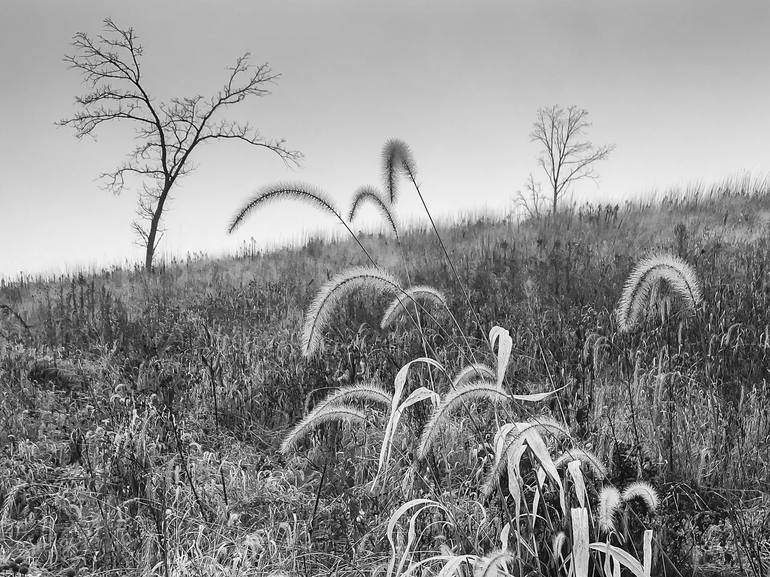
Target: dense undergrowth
(141,416)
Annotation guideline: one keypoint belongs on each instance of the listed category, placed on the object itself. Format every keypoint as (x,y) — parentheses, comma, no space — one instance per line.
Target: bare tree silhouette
(564,157)
(168,132)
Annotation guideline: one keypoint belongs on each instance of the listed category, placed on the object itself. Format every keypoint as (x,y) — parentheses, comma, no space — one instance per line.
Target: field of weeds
(528,412)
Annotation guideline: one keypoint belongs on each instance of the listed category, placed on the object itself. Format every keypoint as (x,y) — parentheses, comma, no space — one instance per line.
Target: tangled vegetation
(583,394)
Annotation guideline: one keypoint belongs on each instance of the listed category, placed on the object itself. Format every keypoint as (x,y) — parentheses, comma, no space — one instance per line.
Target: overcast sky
(681,88)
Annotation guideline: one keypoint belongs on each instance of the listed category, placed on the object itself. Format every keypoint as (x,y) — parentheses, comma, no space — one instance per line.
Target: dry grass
(159,451)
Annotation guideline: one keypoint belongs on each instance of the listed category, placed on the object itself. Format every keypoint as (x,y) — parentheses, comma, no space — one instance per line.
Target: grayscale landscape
(385,289)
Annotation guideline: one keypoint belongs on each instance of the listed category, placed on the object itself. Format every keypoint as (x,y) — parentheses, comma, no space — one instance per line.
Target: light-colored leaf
(504,348)
(393,521)
(620,556)
(445,558)
(454,564)
(577,479)
(541,475)
(514,477)
(540,450)
(387,440)
(504,534)
(647,566)
(580,541)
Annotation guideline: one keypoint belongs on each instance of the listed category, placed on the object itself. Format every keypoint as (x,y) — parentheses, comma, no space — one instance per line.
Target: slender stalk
(446,255)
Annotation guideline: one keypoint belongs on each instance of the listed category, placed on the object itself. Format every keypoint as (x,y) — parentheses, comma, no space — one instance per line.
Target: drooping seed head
(643,491)
(646,278)
(411,295)
(396,159)
(290,190)
(321,311)
(609,503)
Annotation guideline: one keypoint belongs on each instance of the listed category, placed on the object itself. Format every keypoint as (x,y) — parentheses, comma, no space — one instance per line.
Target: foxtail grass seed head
(588,346)
(634,302)
(587,458)
(307,193)
(474,371)
(372,195)
(643,491)
(323,414)
(454,399)
(411,295)
(320,314)
(609,503)
(396,159)
(365,392)
(493,564)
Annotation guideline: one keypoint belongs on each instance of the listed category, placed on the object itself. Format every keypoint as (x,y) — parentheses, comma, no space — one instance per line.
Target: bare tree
(565,157)
(168,132)
(531,199)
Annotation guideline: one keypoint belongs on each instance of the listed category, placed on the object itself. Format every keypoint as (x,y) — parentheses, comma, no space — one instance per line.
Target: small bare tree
(531,199)
(168,132)
(565,157)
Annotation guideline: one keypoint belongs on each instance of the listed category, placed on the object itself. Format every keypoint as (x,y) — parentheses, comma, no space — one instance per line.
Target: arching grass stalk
(372,195)
(300,191)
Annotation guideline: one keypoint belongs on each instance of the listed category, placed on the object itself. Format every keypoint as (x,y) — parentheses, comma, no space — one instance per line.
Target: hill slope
(141,416)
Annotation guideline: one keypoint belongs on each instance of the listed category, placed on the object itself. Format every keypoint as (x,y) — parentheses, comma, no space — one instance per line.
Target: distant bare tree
(168,132)
(531,199)
(565,158)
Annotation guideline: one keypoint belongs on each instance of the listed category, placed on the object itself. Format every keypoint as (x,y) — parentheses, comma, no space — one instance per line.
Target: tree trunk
(149,254)
(555,198)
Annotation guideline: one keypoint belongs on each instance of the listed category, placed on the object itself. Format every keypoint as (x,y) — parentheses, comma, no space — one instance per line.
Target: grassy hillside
(141,416)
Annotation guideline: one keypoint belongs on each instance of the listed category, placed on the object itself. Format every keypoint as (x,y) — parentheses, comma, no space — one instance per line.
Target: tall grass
(142,417)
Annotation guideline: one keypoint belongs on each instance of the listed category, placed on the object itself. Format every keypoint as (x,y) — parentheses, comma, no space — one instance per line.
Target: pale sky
(680,87)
